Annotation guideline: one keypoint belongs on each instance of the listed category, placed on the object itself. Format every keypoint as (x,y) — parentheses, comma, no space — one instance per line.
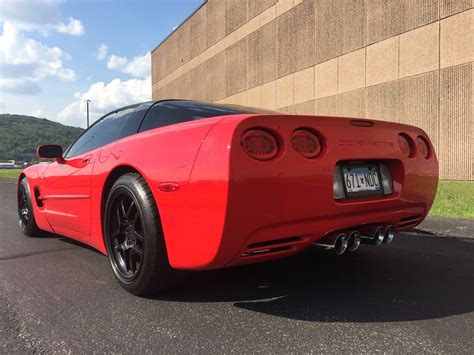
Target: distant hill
(21,135)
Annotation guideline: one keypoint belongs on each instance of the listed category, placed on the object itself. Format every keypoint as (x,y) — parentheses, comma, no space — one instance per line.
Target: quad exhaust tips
(341,242)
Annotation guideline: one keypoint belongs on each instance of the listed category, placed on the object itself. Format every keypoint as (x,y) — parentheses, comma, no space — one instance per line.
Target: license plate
(361,180)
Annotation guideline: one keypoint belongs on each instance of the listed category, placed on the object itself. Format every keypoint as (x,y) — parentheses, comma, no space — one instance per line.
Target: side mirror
(49,151)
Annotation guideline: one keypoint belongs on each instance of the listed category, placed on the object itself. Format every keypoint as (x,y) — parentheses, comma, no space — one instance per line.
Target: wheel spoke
(138,235)
(136,259)
(24,213)
(122,208)
(138,250)
(135,255)
(119,221)
(131,262)
(135,218)
(132,204)
(117,245)
(128,260)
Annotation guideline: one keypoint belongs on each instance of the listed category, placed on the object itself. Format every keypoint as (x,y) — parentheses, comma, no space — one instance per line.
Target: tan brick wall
(407,61)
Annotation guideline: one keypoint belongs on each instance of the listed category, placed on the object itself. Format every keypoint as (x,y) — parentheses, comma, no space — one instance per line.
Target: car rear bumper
(263,246)
(243,210)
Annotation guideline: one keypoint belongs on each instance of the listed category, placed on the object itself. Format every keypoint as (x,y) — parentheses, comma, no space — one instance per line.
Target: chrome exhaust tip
(379,235)
(353,242)
(340,245)
(389,235)
(376,239)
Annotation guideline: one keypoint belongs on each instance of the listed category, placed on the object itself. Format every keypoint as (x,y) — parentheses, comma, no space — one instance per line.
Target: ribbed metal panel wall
(408,61)
(457,124)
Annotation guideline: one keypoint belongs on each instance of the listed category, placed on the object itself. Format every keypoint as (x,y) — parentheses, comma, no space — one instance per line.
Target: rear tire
(134,238)
(26,214)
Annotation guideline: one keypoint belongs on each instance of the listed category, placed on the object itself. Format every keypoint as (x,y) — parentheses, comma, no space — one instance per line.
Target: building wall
(408,61)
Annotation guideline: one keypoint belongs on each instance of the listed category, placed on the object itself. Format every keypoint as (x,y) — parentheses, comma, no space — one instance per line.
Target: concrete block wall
(409,61)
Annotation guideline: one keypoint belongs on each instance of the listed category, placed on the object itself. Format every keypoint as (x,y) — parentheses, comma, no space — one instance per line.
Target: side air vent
(409,221)
(38,199)
(265,251)
(273,246)
(275,242)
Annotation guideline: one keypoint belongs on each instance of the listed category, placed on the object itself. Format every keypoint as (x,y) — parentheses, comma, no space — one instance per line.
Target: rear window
(166,113)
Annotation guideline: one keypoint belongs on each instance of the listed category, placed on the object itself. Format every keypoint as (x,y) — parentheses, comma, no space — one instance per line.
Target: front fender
(34,175)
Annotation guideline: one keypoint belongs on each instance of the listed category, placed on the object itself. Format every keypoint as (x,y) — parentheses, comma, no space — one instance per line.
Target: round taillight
(306,143)
(406,145)
(423,147)
(259,144)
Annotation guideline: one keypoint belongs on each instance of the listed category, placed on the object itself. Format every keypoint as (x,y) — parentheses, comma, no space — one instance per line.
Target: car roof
(244,109)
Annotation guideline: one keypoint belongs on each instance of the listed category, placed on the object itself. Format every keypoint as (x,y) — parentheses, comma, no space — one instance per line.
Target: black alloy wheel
(126,231)
(26,217)
(134,238)
(23,210)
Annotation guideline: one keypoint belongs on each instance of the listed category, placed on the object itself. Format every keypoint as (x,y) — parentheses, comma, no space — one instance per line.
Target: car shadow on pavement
(78,244)
(415,278)
(48,235)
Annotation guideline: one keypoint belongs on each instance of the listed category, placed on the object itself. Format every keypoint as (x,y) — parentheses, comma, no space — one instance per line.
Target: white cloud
(116,62)
(25,61)
(102,52)
(137,67)
(73,28)
(23,86)
(37,113)
(105,98)
(39,15)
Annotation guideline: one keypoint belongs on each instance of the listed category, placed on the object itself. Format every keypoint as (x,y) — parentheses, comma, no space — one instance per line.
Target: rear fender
(161,155)
(195,220)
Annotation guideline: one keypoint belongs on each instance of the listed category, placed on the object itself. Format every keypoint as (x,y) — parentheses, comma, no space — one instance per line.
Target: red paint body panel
(228,203)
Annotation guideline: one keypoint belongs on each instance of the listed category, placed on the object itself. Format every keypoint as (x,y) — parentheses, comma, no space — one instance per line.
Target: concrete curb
(446,227)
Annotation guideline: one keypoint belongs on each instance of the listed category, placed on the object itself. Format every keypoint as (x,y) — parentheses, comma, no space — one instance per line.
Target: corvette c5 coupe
(174,185)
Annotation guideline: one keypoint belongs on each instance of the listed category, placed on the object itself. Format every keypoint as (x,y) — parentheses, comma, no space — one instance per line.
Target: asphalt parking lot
(414,295)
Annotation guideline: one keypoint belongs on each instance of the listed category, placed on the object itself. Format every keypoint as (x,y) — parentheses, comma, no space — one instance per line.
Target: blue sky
(54,54)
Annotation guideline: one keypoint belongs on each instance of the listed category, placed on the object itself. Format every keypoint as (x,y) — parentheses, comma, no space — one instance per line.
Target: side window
(134,121)
(103,132)
(82,144)
(109,128)
(160,116)
(170,112)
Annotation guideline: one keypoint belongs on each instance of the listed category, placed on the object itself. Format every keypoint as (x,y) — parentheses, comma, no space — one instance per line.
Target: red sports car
(175,185)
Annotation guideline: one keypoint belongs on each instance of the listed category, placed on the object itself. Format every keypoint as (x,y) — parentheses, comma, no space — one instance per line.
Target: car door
(65,194)
(66,188)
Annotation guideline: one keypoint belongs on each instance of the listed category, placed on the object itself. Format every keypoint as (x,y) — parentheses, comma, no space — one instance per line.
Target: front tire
(134,238)
(26,214)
